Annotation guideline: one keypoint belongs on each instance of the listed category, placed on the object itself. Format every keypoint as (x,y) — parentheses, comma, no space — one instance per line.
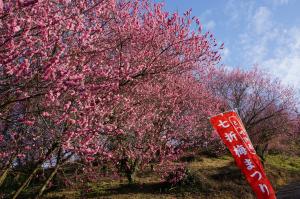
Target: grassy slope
(211,178)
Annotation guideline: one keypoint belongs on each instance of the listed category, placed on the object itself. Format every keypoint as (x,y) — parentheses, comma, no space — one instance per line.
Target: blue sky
(263,32)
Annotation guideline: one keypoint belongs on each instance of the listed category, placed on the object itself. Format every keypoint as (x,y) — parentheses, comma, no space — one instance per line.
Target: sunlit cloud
(210,25)
(271,45)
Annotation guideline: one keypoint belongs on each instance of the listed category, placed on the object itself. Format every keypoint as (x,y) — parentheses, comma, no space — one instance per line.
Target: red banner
(232,131)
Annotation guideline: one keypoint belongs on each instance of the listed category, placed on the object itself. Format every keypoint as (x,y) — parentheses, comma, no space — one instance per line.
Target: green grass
(284,162)
(282,169)
(208,178)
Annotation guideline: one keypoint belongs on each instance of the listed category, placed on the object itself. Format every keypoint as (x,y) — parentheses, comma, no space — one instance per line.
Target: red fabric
(232,131)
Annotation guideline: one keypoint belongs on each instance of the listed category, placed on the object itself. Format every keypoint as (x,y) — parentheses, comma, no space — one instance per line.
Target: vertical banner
(232,132)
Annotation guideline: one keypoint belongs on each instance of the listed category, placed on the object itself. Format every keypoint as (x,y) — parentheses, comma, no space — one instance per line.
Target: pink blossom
(46,114)
(27,147)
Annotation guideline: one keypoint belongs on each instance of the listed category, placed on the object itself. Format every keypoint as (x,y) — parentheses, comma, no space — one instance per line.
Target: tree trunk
(4,175)
(59,163)
(6,170)
(152,167)
(262,152)
(43,188)
(26,182)
(131,171)
(130,177)
(33,173)
(130,174)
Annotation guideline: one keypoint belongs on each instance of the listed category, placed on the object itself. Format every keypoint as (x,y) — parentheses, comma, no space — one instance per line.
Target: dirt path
(291,191)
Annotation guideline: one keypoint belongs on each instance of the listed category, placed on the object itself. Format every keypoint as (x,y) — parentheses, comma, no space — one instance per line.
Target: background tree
(69,63)
(266,106)
(167,116)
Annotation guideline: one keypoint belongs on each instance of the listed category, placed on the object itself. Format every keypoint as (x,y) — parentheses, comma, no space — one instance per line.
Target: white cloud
(225,53)
(261,20)
(286,62)
(280,2)
(206,13)
(287,69)
(271,45)
(237,11)
(210,25)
